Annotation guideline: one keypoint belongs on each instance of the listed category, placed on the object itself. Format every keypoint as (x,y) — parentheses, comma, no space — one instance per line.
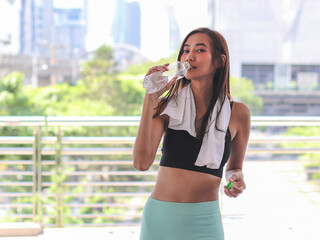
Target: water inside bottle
(154,82)
(177,69)
(158,80)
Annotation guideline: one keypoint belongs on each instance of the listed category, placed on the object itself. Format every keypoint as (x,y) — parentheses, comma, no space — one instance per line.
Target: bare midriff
(179,185)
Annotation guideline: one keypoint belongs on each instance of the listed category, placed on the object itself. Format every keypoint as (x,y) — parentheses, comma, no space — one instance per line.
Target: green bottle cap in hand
(229,185)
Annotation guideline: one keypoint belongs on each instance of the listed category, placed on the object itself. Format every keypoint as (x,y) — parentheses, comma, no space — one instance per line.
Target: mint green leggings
(181,221)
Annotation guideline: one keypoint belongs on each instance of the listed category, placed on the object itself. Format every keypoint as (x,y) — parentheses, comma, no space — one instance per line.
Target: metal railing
(63,180)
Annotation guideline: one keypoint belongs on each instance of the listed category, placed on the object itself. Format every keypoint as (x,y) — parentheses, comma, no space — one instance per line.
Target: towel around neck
(182,113)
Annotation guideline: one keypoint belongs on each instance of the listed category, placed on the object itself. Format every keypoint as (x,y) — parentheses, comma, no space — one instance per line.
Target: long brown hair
(221,78)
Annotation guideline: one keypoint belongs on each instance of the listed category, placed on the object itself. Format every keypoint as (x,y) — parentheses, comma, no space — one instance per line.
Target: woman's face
(198,52)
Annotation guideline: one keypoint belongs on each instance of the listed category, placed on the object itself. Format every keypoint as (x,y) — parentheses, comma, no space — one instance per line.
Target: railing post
(59,179)
(37,173)
(34,176)
(38,142)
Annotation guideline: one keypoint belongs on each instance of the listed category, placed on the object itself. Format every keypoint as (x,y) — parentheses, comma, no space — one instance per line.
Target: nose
(190,57)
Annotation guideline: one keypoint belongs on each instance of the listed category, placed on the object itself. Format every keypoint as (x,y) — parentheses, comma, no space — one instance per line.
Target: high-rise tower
(126,27)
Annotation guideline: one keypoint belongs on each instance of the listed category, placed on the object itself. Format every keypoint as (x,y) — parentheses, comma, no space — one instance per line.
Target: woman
(203,130)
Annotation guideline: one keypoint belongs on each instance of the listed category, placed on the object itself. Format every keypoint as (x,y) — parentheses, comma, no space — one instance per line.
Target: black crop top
(180,150)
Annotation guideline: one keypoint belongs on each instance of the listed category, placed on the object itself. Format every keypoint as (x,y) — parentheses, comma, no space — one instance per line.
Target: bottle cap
(229,185)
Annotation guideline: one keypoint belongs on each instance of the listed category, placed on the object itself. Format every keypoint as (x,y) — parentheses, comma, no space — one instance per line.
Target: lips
(192,67)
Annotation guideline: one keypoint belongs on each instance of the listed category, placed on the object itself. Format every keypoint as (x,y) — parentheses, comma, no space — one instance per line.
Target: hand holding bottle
(158,77)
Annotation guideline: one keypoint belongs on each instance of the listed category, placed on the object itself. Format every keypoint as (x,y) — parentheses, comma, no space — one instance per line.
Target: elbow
(141,163)
(140,166)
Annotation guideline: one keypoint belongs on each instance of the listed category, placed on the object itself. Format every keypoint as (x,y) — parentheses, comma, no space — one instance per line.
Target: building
(174,30)
(126,27)
(9,33)
(70,30)
(57,33)
(36,27)
(45,24)
(274,43)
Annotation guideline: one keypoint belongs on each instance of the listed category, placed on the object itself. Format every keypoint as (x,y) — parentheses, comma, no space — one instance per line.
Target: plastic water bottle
(158,80)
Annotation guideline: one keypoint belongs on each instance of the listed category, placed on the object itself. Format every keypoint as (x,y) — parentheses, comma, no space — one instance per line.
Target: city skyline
(154,23)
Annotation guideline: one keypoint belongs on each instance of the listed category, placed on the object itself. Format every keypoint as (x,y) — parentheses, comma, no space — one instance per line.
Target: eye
(185,51)
(201,50)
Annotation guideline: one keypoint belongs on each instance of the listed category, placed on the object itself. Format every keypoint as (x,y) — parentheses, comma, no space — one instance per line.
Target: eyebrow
(197,44)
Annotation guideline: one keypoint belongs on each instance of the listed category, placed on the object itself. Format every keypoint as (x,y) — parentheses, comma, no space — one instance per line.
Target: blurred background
(273,44)
(71,94)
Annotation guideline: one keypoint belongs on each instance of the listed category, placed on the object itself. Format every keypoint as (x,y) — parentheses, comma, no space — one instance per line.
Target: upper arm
(159,124)
(148,137)
(241,124)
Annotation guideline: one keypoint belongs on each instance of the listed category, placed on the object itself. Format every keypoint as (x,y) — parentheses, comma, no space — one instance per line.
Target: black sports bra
(180,150)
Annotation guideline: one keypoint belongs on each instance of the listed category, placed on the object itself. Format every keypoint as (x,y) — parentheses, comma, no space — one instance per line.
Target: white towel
(182,115)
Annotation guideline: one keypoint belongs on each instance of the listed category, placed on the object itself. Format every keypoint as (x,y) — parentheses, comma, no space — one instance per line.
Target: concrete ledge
(20,229)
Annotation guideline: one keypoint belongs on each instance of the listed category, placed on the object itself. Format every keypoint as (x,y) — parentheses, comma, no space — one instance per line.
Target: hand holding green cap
(229,185)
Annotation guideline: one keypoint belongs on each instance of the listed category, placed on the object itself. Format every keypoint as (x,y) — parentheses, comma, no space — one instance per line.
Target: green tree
(138,71)
(103,84)
(242,89)
(12,100)
(102,63)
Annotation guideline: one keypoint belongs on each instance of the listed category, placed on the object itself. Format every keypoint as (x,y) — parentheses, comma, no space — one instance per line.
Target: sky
(190,14)
(68,3)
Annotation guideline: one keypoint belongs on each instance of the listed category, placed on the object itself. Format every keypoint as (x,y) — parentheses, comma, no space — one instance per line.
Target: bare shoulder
(241,113)
(240,109)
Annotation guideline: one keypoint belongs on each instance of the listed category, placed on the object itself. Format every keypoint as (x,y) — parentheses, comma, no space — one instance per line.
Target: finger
(165,66)
(229,192)
(226,191)
(236,191)
(162,68)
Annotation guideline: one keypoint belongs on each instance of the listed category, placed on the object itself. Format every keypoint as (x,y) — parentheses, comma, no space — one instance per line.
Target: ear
(220,62)
(223,59)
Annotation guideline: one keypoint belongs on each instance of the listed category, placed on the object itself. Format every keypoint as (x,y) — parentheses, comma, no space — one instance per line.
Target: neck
(202,92)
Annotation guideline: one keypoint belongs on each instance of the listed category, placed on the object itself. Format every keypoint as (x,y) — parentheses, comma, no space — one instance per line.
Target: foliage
(99,92)
(141,69)
(242,89)
(305,131)
(312,159)
(102,63)
(12,100)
